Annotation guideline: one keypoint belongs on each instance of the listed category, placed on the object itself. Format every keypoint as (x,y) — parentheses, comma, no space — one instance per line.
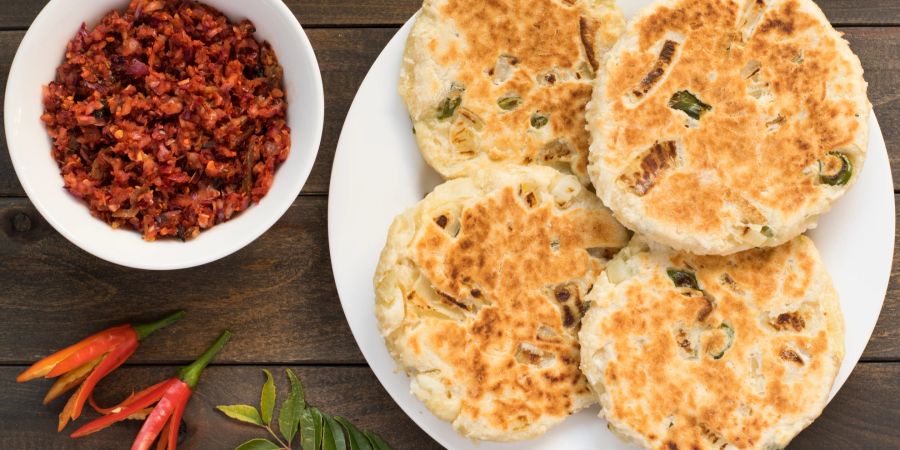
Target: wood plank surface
(281,284)
(9,42)
(859,417)
(277,295)
(345,55)
(312,13)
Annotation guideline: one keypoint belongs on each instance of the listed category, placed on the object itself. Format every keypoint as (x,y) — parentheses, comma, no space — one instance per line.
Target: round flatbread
(712,352)
(723,125)
(478,295)
(505,81)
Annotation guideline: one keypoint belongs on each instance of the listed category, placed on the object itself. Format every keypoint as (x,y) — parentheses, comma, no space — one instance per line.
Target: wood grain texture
(311,13)
(9,42)
(279,290)
(859,417)
(345,55)
(879,52)
(277,295)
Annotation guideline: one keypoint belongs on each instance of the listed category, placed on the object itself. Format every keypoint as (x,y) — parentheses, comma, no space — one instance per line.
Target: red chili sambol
(167,118)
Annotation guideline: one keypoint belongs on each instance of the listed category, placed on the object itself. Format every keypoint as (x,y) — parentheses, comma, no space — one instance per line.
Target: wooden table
(278,294)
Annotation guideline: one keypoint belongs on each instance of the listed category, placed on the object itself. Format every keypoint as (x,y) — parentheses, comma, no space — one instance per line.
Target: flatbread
(505,81)
(723,125)
(479,297)
(712,352)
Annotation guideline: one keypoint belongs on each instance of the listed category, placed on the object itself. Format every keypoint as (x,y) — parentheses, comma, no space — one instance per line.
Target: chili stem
(191,374)
(146,329)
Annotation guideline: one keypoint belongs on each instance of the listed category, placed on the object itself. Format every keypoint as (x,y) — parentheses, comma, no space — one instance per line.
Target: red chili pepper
(171,397)
(172,403)
(124,411)
(84,364)
(131,398)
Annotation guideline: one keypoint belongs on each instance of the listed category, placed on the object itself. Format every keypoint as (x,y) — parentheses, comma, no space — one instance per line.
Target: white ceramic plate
(378,173)
(41,51)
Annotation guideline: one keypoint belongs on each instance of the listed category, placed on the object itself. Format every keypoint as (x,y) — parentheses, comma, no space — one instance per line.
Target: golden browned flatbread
(712,352)
(505,81)
(479,295)
(723,125)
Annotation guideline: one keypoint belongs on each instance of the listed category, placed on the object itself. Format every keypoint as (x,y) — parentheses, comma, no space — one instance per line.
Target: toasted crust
(545,52)
(657,354)
(782,90)
(479,296)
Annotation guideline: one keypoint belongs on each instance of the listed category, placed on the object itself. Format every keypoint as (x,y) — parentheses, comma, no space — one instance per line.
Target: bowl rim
(233,241)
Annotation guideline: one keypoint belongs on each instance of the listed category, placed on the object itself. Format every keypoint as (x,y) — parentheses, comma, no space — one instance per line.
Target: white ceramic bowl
(42,50)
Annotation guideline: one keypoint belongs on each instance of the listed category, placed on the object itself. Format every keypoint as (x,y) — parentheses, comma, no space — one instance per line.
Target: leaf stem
(280,442)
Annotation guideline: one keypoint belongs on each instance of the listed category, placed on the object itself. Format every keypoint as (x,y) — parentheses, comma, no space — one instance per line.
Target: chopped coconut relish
(167,118)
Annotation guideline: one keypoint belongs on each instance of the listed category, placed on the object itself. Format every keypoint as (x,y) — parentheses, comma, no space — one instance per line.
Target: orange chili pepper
(84,364)
(171,397)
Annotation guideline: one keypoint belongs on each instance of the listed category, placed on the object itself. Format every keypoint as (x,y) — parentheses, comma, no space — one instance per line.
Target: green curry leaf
(243,413)
(267,399)
(289,416)
(258,444)
(317,430)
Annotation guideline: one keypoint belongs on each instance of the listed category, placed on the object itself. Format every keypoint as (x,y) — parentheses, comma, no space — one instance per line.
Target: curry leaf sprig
(317,430)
